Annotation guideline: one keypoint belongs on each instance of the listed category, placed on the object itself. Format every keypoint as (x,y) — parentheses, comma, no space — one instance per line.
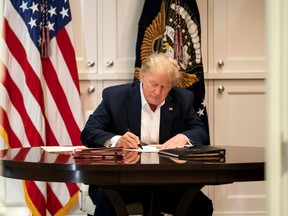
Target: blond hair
(160,64)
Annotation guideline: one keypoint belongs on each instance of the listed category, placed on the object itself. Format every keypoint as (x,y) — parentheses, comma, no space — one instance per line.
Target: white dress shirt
(150,121)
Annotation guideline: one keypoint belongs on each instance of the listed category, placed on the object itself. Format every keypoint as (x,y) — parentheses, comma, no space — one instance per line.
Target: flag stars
(39,40)
(203,103)
(54,15)
(24,6)
(64,12)
(34,7)
(52,11)
(51,26)
(32,22)
(200,112)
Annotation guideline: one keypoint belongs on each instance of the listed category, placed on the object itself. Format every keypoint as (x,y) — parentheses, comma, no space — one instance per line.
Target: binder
(102,153)
(201,152)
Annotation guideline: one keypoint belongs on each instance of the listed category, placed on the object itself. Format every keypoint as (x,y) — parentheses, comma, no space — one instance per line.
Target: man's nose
(158,90)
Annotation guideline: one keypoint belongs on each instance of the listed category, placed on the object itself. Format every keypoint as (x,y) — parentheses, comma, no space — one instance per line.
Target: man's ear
(141,76)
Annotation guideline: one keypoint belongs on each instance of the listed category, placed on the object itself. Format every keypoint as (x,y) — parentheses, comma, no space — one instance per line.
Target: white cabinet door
(239,36)
(84,22)
(240,199)
(239,112)
(117,33)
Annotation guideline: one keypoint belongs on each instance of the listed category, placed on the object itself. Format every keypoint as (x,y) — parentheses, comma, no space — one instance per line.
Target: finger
(168,145)
(132,140)
(124,142)
(127,142)
(165,146)
(134,137)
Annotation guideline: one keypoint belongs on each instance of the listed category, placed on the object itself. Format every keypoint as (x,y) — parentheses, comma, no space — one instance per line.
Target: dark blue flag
(173,27)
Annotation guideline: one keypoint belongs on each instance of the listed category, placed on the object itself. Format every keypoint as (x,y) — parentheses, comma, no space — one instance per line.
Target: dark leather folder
(196,151)
(105,153)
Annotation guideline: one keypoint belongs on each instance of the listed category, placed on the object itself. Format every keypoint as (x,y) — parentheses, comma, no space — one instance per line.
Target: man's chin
(154,103)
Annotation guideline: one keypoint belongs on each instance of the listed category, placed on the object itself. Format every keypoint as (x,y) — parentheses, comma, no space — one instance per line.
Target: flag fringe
(4,136)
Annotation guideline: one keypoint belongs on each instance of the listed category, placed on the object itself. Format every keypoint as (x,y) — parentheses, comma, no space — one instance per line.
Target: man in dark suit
(154,111)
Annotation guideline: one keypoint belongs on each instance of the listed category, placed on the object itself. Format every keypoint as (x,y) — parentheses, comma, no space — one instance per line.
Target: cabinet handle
(221,89)
(91,89)
(220,63)
(91,64)
(109,63)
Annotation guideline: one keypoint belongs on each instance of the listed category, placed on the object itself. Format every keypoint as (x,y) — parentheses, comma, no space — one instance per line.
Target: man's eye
(165,87)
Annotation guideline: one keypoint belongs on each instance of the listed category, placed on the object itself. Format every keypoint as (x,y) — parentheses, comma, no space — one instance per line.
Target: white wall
(277,115)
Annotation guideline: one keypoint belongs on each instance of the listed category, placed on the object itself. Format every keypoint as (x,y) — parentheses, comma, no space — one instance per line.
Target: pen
(139,145)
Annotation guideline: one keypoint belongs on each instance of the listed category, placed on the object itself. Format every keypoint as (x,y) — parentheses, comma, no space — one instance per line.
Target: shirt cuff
(189,142)
(112,142)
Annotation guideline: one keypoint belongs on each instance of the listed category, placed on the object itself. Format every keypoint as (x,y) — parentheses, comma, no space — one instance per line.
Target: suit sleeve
(197,131)
(189,121)
(96,131)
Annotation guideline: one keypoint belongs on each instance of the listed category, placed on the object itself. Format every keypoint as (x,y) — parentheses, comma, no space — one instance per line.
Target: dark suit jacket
(120,110)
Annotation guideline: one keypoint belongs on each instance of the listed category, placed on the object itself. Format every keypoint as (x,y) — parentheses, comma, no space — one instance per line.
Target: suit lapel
(166,119)
(134,110)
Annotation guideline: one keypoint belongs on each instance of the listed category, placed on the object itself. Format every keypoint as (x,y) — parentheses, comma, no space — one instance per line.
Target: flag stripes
(18,101)
(40,98)
(22,71)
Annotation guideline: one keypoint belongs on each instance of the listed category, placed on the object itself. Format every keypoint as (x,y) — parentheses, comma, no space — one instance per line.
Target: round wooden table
(155,173)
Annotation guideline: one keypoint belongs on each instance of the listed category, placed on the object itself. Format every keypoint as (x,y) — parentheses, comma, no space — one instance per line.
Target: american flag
(39,87)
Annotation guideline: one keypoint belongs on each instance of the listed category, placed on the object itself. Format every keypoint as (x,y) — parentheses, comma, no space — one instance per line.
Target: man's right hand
(128,140)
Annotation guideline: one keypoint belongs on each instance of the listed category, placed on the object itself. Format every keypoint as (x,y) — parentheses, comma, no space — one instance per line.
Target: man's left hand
(178,141)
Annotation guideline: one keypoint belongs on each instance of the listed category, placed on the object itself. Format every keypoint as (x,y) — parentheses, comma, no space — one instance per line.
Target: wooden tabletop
(241,164)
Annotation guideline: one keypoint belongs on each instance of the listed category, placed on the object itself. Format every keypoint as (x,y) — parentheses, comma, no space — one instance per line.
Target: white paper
(146,148)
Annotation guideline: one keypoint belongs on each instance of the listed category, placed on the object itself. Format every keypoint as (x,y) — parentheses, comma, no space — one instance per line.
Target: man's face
(155,88)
